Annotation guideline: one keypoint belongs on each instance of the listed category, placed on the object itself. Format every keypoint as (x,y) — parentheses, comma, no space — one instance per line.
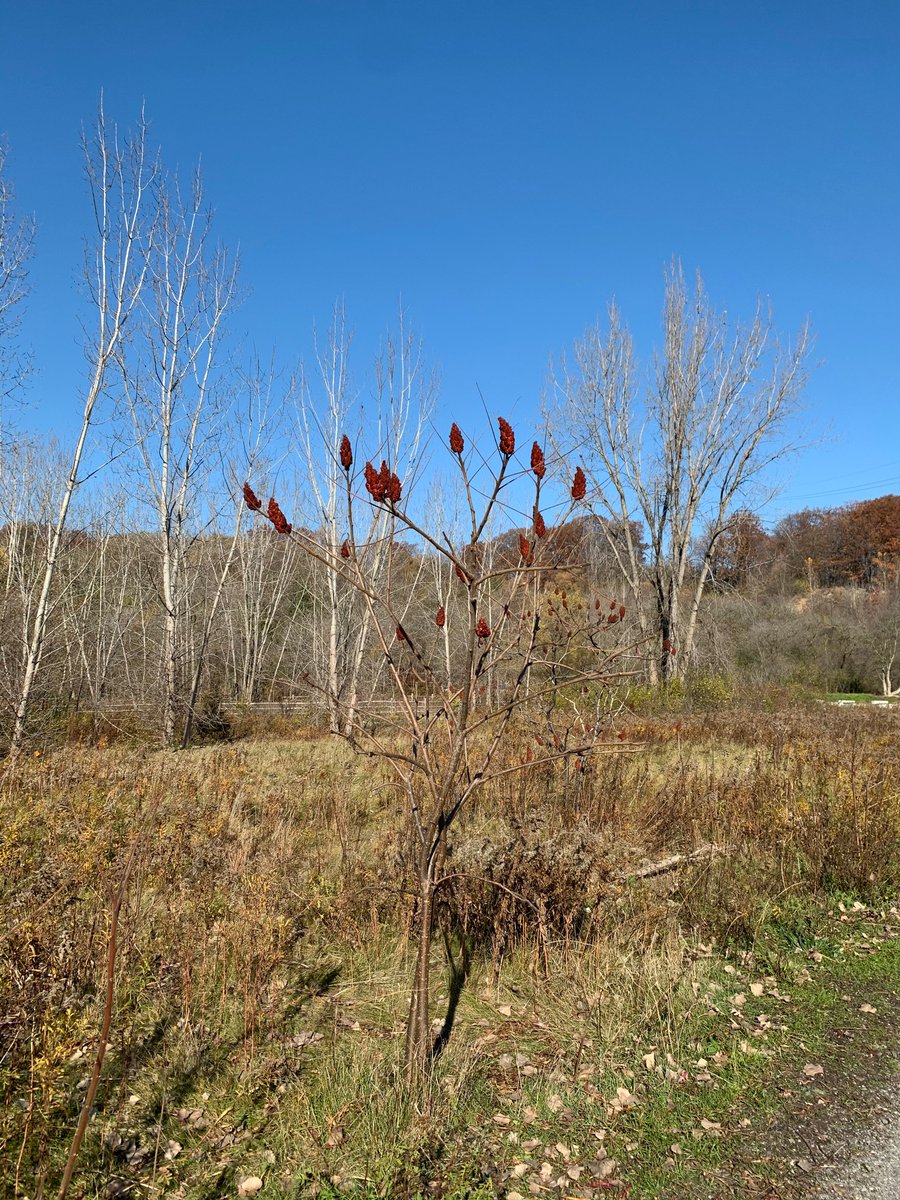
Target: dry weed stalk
(112,951)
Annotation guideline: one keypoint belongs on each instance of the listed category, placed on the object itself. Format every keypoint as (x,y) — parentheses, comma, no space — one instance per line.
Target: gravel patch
(868,1168)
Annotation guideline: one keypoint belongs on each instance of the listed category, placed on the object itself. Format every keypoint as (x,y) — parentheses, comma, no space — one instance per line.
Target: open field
(612,1028)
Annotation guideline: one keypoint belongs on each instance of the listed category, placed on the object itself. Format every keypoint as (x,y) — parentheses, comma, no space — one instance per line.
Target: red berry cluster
(277,517)
(383,486)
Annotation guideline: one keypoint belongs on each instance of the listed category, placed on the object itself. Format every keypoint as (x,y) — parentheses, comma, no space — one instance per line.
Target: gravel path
(869,1167)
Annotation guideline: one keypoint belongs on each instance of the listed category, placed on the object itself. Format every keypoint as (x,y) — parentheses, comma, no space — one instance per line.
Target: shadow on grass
(459,972)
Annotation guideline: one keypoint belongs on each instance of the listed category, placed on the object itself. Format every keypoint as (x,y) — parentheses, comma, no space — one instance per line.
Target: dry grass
(264,969)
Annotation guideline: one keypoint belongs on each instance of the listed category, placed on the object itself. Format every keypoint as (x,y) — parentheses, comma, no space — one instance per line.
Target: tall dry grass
(263,968)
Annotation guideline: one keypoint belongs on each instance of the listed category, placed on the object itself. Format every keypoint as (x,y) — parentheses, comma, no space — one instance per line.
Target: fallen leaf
(867,1008)
(813,1069)
(249,1186)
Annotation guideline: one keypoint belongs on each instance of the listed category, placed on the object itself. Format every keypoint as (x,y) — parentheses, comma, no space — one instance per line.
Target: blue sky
(505,168)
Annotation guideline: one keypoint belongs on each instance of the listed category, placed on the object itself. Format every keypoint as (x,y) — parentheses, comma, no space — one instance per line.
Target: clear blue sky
(505,168)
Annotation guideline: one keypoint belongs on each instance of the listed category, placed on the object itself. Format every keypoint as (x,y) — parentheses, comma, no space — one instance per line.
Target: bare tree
(404,395)
(448,738)
(98,586)
(120,176)
(175,397)
(259,415)
(31,485)
(678,448)
(881,628)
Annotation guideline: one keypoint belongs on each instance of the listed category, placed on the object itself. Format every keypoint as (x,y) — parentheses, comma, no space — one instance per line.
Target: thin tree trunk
(418,1027)
(39,627)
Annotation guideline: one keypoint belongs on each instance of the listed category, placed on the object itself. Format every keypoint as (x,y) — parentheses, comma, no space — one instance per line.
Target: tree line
(133,573)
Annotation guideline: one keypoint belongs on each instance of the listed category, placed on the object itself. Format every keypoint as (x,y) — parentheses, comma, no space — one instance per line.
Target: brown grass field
(263,958)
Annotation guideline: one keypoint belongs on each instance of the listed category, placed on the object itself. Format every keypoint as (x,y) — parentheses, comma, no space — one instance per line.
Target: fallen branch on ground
(669,864)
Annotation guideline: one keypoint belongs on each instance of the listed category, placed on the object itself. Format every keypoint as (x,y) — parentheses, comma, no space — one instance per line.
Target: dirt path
(839,1137)
(868,1168)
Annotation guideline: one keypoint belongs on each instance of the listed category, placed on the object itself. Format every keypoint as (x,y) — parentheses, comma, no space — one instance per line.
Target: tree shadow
(459,973)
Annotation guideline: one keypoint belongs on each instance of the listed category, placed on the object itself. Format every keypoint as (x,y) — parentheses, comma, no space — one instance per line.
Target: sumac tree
(516,643)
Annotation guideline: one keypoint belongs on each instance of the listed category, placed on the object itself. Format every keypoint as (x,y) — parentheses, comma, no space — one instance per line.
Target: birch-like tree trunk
(257,417)
(121,179)
(176,400)
(402,400)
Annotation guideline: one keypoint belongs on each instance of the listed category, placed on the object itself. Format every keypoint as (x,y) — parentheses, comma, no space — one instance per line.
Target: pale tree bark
(402,401)
(31,484)
(883,633)
(258,613)
(679,451)
(443,519)
(120,177)
(176,399)
(595,411)
(96,613)
(258,415)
